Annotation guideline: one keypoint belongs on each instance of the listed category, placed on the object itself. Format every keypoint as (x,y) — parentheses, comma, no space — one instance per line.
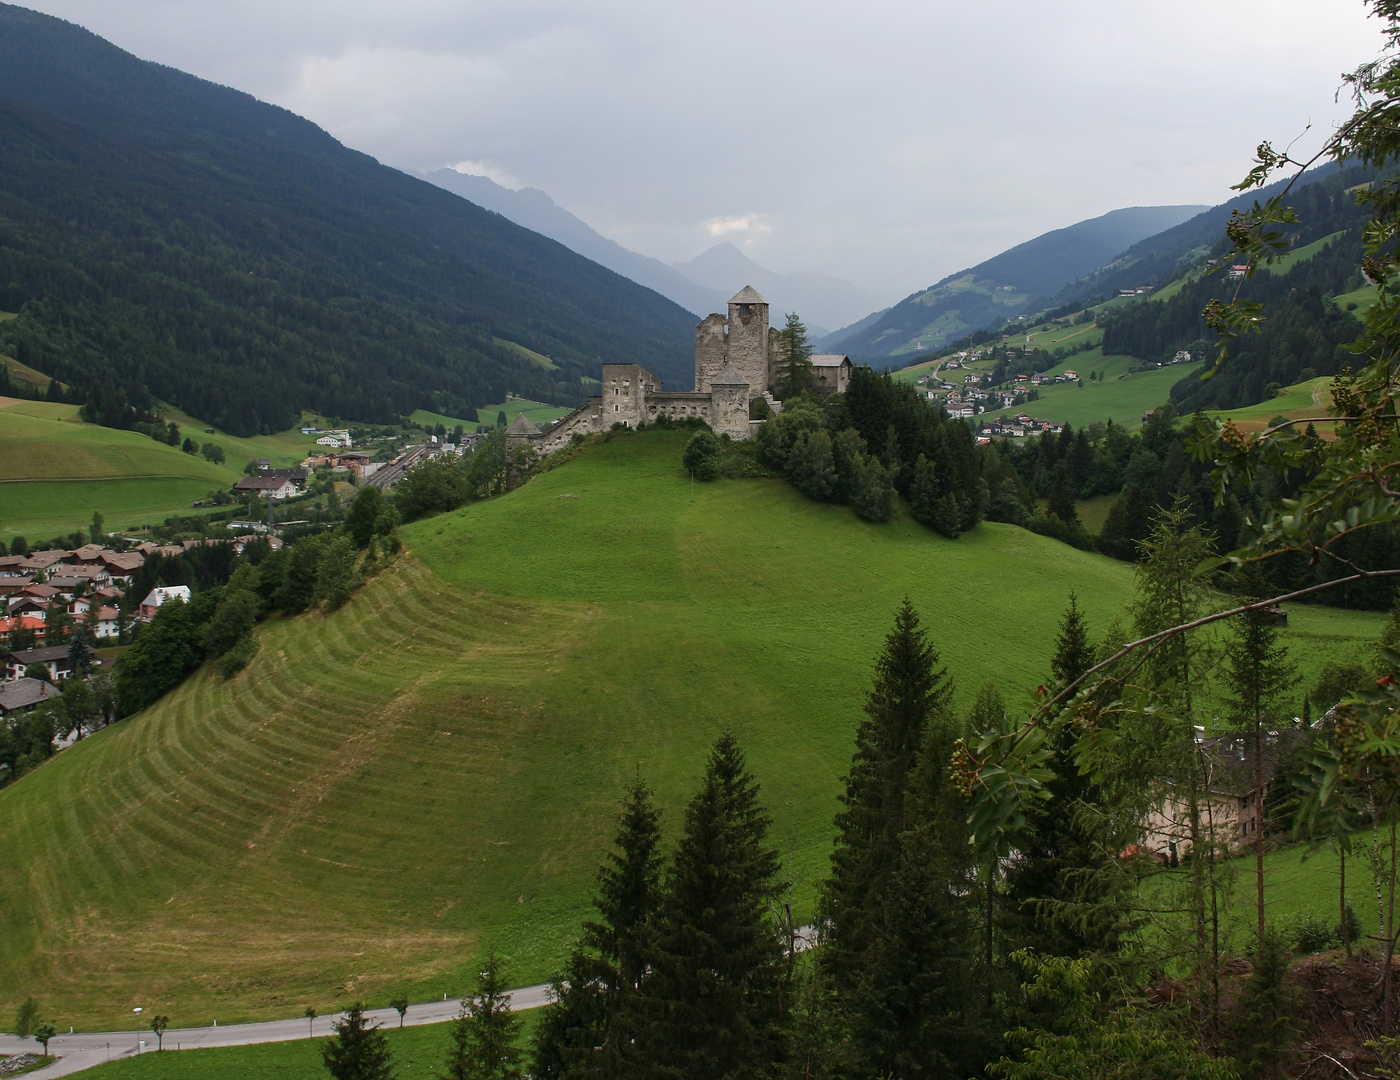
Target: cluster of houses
(1016,427)
(279,484)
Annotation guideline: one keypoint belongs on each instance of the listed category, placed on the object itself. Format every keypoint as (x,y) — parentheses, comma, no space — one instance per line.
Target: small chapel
(736,358)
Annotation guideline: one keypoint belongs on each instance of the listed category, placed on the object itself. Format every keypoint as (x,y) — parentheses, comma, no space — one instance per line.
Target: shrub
(236,659)
(702,455)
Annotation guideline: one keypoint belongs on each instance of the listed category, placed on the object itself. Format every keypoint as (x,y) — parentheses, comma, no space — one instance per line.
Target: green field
(1120,397)
(423,416)
(1306,399)
(56,470)
(533,410)
(387,791)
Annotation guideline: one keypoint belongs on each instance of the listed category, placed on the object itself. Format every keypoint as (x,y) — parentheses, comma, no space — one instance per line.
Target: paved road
(84,1050)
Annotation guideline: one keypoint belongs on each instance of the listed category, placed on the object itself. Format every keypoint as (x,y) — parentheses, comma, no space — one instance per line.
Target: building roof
(748,295)
(123,560)
(44,655)
(23,693)
(729,376)
(261,483)
(829,359)
(521,425)
(161,593)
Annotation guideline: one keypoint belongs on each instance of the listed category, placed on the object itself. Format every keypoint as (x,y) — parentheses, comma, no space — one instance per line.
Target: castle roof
(748,295)
(828,359)
(730,376)
(521,426)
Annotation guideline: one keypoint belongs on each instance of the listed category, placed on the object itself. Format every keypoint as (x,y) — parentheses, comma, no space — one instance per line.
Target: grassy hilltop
(387,790)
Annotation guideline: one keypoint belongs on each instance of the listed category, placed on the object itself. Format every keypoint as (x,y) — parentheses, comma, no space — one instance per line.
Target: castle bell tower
(749,347)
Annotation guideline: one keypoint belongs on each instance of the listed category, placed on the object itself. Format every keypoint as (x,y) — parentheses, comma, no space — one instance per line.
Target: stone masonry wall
(749,344)
(710,344)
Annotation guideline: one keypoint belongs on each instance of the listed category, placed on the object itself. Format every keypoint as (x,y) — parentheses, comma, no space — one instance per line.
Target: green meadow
(56,470)
(534,411)
(389,790)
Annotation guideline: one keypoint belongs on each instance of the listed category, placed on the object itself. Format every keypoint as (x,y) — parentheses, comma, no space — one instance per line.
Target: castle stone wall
(710,345)
(748,344)
(730,411)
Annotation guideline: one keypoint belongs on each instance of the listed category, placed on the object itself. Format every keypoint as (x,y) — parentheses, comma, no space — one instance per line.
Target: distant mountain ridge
(701,285)
(1007,284)
(535,210)
(164,236)
(823,300)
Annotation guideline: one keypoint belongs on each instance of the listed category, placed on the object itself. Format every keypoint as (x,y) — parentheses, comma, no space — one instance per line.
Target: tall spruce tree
(581,1032)
(1073,653)
(1066,892)
(483,1036)
(794,367)
(906,690)
(711,1004)
(916,1012)
(1169,593)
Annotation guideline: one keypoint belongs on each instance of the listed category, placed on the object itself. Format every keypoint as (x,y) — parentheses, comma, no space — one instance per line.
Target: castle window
(616,391)
(617,408)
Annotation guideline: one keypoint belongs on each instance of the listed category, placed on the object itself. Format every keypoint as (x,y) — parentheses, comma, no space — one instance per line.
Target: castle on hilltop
(736,359)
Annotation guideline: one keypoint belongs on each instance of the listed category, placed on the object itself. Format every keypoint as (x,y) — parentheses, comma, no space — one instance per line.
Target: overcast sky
(889,141)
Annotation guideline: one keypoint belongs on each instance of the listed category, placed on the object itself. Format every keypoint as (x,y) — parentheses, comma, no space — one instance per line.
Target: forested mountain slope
(1006,284)
(1303,333)
(167,236)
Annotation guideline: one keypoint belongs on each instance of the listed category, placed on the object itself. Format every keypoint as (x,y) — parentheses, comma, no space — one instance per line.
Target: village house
(24,695)
(1229,810)
(161,595)
(51,663)
(271,487)
(19,622)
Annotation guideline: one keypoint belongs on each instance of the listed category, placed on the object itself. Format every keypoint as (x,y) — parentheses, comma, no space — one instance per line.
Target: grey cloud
(889,143)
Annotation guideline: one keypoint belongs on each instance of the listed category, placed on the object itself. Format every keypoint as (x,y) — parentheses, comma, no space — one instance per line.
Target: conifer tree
(1066,895)
(582,1030)
(711,1004)
(917,1011)
(358,1050)
(875,811)
(794,359)
(484,1033)
(1062,496)
(1073,653)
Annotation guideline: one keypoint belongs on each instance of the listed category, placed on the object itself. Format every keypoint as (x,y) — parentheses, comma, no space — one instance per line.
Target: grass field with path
(387,791)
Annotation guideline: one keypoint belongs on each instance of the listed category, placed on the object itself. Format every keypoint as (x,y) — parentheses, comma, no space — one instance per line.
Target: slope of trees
(160,235)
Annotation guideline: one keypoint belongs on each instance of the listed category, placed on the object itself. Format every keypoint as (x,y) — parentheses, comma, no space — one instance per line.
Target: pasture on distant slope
(56,470)
(387,791)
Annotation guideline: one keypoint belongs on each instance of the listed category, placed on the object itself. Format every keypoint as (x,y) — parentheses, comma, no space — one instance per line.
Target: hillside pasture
(387,791)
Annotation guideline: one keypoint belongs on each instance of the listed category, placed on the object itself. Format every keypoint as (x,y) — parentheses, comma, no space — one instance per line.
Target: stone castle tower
(744,341)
